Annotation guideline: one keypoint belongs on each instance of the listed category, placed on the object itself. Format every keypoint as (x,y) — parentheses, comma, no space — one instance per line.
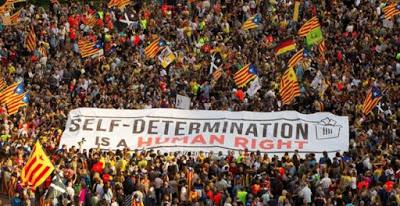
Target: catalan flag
(296,58)
(13,19)
(88,48)
(154,47)
(307,27)
(245,75)
(289,87)
(285,46)
(30,40)
(3,84)
(322,48)
(14,94)
(251,23)
(17,103)
(374,96)
(217,74)
(91,20)
(8,92)
(37,168)
(391,10)
(118,3)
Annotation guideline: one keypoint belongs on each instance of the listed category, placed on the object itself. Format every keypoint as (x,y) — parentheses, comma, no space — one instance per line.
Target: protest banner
(199,130)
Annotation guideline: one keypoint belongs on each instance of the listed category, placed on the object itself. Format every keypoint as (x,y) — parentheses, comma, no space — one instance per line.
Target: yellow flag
(296,11)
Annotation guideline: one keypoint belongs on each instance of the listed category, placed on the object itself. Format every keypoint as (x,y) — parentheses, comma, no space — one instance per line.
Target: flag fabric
(296,58)
(254,87)
(14,94)
(30,40)
(57,188)
(91,20)
(307,27)
(3,84)
(245,75)
(37,168)
(8,92)
(216,61)
(391,10)
(314,37)
(322,48)
(13,19)
(12,2)
(166,57)
(251,23)
(43,51)
(154,47)
(88,48)
(374,96)
(21,101)
(118,3)
(285,46)
(190,175)
(217,74)
(296,11)
(320,84)
(289,87)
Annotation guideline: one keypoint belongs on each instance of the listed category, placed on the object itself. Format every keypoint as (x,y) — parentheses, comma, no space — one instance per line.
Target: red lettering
(143,143)
(199,139)
(282,143)
(241,141)
(267,144)
(214,138)
(179,139)
(300,144)
(159,140)
(253,143)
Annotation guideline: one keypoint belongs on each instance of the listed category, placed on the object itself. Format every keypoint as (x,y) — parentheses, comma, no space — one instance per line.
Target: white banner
(182,102)
(197,130)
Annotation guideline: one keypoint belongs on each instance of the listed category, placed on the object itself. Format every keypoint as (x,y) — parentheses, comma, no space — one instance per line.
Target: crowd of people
(362,50)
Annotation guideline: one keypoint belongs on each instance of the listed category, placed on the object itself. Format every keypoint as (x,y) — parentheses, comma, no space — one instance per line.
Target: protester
(361,52)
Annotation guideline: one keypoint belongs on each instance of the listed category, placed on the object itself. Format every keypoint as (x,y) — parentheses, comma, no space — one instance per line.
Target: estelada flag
(37,168)
(391,10)
(289,87)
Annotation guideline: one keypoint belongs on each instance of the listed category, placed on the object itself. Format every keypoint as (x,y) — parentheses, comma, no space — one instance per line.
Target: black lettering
(224,128)
(152,126)
(98,128)
(74,125)
(105,141)
(285,134)
(194,126)
(239,128)
(252,129)
(276,130)
(138,128)
(86,123)
(178,128)
(122,143)
(166,129)
(303,129)
(113,124)
(265,129)
(213,129)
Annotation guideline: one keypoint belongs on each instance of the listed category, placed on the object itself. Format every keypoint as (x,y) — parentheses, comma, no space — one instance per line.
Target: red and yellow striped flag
(37,168)
(391,10)
(8,92)
(91,20)
(87,48)
(13,19)
(154,47)
(118,3)
(30,40)
(3,84)
(374,96)
(289,87)
(20,100)
(296,58)
(307,27)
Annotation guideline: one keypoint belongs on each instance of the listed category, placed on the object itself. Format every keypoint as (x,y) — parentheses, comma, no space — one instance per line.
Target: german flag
(8,92)
(374,96)
(289,87)
(37,168)
(245,75)
(251,23)
(87,48)
(154,48)
(296,58)
(391,10)
(30,40)
(285,46)
(307,27)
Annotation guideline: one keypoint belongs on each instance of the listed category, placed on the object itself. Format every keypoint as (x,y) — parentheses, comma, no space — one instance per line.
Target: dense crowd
(361,50)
